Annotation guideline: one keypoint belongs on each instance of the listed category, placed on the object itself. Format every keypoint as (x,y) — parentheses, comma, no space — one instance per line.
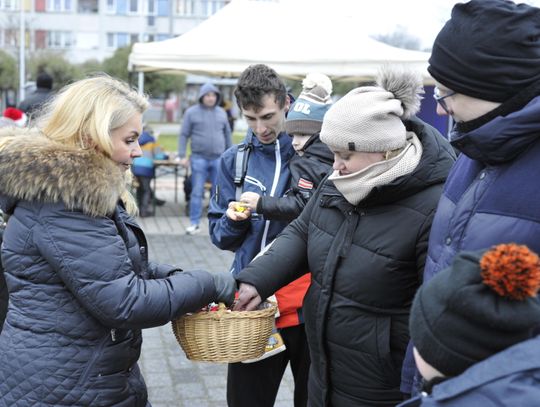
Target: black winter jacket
(80,285)
(366,263)
(307,172)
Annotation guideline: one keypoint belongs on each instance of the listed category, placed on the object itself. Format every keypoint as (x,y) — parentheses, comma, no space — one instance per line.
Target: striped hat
(307,112)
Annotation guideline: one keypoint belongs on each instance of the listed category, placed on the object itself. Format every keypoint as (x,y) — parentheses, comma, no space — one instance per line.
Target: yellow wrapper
(240,208)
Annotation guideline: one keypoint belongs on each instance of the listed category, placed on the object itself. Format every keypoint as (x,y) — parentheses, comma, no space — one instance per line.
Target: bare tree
(400,38)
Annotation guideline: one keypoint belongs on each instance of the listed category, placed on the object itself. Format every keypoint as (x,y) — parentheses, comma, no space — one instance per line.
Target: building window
(119,40)
(40,38)
(163,8)
(133,6)
(151,7)
(58,5)
(185,7)
(9,37)
(123,7)
(199,8)
(87,6)
(111,6)
(60,39)
(9,4)
(211,7)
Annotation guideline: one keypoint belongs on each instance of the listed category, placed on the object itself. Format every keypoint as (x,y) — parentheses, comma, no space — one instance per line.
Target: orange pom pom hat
(484,303)
(512,271)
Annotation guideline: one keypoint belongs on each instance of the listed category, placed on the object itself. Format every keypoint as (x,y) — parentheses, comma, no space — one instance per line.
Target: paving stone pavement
(173,380)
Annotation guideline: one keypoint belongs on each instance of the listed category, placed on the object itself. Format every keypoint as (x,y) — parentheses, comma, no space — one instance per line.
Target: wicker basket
(225,336)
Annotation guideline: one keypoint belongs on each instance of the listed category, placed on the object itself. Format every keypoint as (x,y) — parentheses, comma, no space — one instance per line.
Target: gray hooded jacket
(208,128)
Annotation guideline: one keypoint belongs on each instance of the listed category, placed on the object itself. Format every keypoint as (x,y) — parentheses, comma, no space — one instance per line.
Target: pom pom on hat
(512,271)
(370,118)
(16,115)
(313,80)
(306,114)
(484,303)
(13,113)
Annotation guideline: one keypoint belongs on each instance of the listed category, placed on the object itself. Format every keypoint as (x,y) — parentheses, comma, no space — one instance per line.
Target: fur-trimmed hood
(34,168)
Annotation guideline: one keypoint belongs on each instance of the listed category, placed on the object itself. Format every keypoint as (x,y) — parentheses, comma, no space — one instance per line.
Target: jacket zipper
(95,355)
(277,173)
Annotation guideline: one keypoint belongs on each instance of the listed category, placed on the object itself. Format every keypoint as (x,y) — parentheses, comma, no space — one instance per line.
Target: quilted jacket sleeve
(281,208)
(307,173)
(91,258)
(158,270)
(284,262)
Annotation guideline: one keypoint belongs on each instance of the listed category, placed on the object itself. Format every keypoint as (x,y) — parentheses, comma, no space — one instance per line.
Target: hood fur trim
(34,168)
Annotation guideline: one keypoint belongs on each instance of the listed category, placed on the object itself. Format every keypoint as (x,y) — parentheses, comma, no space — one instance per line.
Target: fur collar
(34,168)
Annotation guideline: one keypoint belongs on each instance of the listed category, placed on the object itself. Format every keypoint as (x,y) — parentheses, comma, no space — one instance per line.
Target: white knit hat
(369,118)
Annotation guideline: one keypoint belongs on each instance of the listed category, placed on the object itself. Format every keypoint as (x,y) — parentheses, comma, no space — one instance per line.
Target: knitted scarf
(355,187)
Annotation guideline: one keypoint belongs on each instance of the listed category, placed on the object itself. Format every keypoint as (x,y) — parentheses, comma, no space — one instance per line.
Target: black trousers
(257,384)
(144,194)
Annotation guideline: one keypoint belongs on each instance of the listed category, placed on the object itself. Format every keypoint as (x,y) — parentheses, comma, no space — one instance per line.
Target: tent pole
(141,83)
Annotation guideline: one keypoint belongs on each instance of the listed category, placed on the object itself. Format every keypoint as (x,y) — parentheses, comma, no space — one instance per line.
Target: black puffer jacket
(80,285)
(307,172)
(366,263)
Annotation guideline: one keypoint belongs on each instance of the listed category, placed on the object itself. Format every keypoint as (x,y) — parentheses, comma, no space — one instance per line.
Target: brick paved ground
(174,381)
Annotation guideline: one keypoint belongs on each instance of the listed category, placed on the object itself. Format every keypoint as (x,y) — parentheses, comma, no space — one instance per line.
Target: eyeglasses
(440,99)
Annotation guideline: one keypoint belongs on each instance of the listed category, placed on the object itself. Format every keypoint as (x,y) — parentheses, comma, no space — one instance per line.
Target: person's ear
(287,103)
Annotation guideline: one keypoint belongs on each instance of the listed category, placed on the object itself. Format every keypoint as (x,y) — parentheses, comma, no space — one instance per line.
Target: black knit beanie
(484,303)
(489,49)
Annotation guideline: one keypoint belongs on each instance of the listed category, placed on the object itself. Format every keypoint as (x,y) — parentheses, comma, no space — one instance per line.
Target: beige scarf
(358,185)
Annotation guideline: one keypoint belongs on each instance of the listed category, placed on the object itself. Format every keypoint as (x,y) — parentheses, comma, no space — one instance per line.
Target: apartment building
(94,29)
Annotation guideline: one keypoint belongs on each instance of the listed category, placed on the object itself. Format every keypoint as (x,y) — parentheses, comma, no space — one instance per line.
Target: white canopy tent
(291,40)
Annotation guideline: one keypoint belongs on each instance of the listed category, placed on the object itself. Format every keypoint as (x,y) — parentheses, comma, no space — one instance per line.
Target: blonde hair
(84,113)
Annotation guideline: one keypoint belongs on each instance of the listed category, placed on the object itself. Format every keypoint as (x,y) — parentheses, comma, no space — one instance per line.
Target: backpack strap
(240,165)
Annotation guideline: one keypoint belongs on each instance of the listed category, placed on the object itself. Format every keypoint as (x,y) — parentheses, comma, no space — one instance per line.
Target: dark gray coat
(80,285)
(366,263)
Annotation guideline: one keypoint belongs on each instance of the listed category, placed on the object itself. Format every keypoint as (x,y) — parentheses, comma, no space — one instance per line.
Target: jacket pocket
(93,359)
(388,367)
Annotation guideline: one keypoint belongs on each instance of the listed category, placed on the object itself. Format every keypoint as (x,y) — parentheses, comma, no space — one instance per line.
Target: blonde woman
(76,263)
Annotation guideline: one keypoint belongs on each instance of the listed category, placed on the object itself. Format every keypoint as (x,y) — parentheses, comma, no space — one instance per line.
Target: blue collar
(502,138)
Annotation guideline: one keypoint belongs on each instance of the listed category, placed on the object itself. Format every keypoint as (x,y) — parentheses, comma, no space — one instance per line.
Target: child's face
(299,141)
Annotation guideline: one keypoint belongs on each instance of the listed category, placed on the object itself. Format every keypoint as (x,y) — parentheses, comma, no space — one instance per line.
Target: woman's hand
(238,211)
(248,298)
(251,199)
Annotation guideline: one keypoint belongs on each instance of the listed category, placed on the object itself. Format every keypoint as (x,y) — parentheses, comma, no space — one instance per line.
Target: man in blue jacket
(266,151)
(491,88)
(208,127)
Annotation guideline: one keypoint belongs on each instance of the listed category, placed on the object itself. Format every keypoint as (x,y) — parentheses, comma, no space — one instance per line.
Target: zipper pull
(113,335)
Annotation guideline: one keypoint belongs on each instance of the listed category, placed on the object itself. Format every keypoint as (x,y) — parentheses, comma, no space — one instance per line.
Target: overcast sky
(421,18)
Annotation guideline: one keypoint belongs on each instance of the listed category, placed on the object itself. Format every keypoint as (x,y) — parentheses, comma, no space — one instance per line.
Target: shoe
(193,230)
(274,346)
(159,202)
